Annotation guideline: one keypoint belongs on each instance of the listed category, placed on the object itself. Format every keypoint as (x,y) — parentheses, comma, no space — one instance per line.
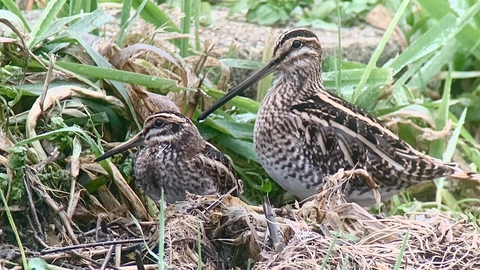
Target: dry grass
(357,239)
(324,231)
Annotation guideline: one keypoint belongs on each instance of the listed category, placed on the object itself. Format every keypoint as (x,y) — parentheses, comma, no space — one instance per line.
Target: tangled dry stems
(324,233)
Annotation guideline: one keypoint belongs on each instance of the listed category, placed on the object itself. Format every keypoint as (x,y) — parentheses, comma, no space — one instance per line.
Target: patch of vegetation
(304,13)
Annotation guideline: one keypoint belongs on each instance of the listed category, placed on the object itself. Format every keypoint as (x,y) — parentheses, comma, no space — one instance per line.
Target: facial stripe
(293,34)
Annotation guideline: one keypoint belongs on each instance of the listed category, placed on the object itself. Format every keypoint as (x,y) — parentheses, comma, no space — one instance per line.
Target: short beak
(260,74)
(133,142)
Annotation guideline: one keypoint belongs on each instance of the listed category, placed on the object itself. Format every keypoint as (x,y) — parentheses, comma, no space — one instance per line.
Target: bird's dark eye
(296,44)
(158,123)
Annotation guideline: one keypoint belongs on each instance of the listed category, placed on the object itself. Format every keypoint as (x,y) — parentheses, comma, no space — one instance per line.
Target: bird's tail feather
(459,173)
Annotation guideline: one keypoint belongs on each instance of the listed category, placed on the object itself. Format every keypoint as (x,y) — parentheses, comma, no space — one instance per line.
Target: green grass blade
(76,130)
(243,103)
(145,244)
(232,128)
(58,26)
(440,35)
(438,146)
(161,233)
(443,195)
(15,231)
(13,8)
(429,42)
(121,76)
(126,25)
(240,147)
(45,21)
(330,248)
(468,35)
(186,22)
(154,15)
(89,6)
(376,54)
(199,247)
(433,65)
(196,9)
(452,143)
(378,78)
(88,22)
(102,62)
(265,83)
(126,7)
(398,263)
(242,63)
(75,7)
(338,58)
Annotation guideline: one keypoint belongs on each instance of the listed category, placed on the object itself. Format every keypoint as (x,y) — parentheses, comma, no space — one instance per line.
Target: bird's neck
(190,144)
(293,84)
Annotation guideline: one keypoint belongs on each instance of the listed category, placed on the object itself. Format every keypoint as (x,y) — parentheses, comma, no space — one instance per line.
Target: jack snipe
(302,132)
(177,158)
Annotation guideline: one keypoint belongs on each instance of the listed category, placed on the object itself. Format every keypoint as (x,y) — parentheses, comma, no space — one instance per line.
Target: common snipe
(177,158)
(302,132)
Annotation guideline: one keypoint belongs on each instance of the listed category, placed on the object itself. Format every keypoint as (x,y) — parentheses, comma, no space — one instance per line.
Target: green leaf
(232,128)
(376,54)
(78,131)
(45,21)
(93,185)
(242,103)
(323,10)
(468,35)
(241,63)
(268,14)
(452,143)
(438,146)
(121,76)
(88,23)
(321,24)
(433,65)
(243,148)
(13,8)
(237,7)
(124,26)
(18,22)
(154,15)
(329,64)
(426,44)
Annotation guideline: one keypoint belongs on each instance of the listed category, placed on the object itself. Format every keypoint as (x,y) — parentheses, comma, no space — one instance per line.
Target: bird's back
(205,173)
(300,142)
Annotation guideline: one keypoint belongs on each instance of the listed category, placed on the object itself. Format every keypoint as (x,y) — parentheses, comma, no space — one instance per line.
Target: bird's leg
(369,180)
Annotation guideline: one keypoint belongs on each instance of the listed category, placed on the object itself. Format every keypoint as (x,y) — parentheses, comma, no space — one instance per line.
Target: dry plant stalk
(357,239)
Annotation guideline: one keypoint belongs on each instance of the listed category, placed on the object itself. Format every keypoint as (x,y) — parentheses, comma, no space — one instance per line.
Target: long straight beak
(133,142)
(260,74)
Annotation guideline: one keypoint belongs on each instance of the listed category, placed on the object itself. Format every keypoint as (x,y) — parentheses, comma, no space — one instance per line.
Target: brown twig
(139,260)
(118,255)
(219,200)
(271,225)
(106,243)
(37,228)
(107,257)
(48,79)
(40,190)
(97,264)
(23,46)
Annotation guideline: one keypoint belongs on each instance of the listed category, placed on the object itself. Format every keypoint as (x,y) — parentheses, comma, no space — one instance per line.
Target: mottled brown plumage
(302,132)
(177,158)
